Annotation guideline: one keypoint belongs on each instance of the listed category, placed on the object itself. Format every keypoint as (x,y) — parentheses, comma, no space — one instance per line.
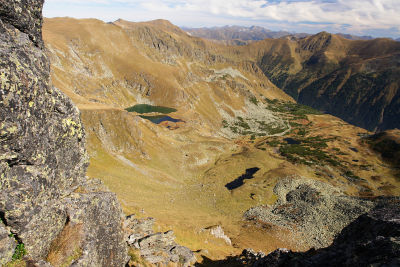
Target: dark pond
(145,108)
(159,118)
(292,141)
(354,149)
(239,181)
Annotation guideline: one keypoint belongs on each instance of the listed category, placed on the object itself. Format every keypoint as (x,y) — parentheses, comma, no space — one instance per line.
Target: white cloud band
(357,15)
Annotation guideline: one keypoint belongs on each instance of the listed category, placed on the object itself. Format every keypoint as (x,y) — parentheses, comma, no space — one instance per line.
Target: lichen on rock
(42,151)
(7,245)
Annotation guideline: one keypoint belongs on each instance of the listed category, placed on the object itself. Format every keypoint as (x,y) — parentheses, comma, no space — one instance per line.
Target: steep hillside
(357,81)
(227,138)
(122,64)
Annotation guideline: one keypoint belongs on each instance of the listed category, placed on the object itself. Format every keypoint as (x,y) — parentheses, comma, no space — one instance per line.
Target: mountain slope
(357,81)
(237,136)
(144,62)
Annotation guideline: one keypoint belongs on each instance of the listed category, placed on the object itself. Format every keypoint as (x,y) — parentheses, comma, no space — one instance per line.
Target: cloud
(357,16)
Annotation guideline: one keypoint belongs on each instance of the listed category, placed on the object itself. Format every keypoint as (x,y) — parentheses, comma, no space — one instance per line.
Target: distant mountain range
(239,35)
(355,37)
(229,33)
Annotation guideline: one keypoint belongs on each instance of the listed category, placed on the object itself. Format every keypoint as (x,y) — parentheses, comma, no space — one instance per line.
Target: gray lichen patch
(42,153)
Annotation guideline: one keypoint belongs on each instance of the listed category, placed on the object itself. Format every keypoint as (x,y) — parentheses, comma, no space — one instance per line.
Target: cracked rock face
(42,148)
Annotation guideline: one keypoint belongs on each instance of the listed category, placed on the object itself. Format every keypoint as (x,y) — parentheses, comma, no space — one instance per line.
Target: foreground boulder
(45,199)
(155,248)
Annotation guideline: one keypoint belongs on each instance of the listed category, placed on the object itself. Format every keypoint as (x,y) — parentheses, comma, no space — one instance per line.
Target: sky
(378,18)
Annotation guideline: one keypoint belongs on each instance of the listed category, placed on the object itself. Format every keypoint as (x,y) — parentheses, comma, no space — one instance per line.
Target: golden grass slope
(179,176)
(121,64)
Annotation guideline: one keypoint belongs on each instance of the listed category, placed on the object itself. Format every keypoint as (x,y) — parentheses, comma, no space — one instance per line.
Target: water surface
(159,118)
(145,108)
(238,182)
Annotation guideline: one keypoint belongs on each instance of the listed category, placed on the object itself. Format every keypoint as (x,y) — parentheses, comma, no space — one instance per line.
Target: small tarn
(160,118)
(292,141)
(238,182)
(145,108)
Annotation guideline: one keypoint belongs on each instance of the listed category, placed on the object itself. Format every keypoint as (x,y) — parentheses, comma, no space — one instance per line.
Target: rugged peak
(25,15)
(323,33)
(317,42)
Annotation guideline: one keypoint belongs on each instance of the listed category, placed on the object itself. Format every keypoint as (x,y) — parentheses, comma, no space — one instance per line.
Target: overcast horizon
(377,18)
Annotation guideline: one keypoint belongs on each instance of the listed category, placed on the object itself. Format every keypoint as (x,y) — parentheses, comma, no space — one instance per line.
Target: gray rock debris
(42,152)
(315,209)
(373,239)
(156,248)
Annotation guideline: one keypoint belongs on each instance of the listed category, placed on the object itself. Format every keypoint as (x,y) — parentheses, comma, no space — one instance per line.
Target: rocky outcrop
(315,210)
(373,239)
(156,248)
(43,159)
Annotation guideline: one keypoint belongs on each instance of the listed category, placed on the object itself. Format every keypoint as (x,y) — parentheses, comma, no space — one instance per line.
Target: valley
(199,134)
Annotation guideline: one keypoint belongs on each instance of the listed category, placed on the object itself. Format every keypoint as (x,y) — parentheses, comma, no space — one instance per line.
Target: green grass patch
(145,108)
(311,150)
(19,252)
(242,124)
(274,143)
(294,109)
(349,175)
(253,100)
(271,101)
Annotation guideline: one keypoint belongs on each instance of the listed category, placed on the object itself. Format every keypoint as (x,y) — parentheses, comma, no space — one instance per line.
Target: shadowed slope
(357,81)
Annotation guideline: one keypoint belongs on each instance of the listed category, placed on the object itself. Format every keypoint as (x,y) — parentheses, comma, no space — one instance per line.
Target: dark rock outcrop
(373,239)
(43,159)
(26,20)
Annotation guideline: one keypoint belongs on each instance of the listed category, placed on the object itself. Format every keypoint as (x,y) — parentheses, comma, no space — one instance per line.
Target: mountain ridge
(324,69)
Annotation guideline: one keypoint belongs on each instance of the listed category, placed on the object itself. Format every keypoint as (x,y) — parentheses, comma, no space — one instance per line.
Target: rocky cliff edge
(48,209)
